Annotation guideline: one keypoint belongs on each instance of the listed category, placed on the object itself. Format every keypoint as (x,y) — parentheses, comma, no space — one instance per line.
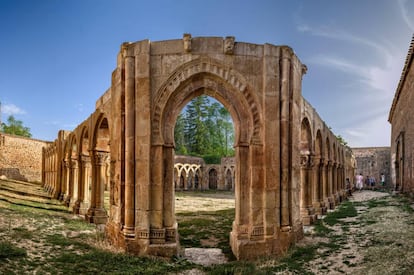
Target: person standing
(359,182)
(382,179)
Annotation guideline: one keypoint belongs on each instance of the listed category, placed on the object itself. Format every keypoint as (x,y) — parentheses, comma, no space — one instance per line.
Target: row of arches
(324,167)
(76,168)
(189,176)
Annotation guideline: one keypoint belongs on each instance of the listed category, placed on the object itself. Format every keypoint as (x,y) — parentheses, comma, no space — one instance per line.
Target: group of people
(370,181)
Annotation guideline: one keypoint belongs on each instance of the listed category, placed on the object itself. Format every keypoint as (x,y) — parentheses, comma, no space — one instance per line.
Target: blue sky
(57,56)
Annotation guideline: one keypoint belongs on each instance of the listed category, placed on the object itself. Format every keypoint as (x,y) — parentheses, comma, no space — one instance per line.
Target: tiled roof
(404,73)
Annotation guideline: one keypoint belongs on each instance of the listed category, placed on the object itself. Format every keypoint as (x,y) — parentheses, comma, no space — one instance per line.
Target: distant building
(374,161)
(401,117)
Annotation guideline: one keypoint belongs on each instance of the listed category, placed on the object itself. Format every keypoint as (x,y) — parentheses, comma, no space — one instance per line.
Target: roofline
(404,73)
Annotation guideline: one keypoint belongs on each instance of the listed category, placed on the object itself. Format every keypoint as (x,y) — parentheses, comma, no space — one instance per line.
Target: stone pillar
(96,212)
(316,186)
(63,192)
(157,231)
(331,197)
(325,188)
(74,201)
(335,183)
(85,184)
(239,233)
(170,223)
(285,148)
(129,227)
(307,211)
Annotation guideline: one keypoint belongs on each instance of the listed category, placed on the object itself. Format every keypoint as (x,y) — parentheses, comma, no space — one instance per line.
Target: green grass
(9,250)
(345,210)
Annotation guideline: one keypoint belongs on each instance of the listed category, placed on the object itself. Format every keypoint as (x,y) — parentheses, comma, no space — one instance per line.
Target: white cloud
(11,109)
(368,133)
(384,79)
(405,16)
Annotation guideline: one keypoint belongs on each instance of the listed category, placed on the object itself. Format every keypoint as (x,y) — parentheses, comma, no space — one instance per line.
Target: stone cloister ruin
(288,168)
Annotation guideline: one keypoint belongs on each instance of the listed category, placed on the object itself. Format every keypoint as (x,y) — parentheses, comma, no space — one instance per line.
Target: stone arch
(100,158)
(305,147)
(229,179)
(65,175)
(212,179)
(318,182)
(210,77)
(74,173)
(85,171)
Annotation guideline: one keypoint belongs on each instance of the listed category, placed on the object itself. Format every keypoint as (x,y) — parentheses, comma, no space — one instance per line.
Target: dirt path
(377,239)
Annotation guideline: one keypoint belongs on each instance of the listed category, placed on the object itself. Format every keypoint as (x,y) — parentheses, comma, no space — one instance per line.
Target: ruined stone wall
(374,161)
(402,129)
(21,158)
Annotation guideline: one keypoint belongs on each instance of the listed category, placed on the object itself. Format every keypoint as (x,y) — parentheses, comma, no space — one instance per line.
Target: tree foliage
(15,127)
(204,128)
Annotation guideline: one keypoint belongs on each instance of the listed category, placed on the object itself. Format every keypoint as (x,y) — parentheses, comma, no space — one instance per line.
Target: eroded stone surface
(205,256)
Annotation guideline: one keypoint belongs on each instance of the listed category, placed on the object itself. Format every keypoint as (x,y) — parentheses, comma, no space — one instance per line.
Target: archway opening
(101,154)
(204,205)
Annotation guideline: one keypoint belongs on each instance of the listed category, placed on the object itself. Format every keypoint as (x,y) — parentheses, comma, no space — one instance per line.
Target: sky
(57,56)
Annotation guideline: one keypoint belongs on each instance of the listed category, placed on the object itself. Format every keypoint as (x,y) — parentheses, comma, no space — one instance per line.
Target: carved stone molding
(101,158)
(229,45)
(187,42)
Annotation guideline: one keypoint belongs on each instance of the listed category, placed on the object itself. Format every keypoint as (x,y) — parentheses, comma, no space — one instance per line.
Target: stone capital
(101,158)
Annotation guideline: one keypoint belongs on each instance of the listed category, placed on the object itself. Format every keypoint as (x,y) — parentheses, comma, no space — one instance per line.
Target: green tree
(15,127)
(179,137)
(205,129)
(196,132)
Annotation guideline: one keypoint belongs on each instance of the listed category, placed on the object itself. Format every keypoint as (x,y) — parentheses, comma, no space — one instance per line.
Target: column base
(74,206)
(83,208)
(320,208)
(308,215)
(96,216)
(331,202)
(273,245)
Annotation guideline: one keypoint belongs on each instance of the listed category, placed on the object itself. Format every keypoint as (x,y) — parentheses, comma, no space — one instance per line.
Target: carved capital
(74,163)
(101,158)
(305,160)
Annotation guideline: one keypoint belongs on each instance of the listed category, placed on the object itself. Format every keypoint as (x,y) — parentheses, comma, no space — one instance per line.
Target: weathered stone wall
(21,158)
(374,161)
(402,129)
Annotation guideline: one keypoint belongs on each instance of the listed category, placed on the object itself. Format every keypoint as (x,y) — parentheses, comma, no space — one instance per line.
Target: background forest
(204,129)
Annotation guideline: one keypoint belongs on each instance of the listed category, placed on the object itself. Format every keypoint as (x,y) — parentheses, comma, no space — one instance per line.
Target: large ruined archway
(260,86)
(129,142)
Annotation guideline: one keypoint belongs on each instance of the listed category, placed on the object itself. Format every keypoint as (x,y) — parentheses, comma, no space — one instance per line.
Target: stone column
(331,198)
(335,183)
(129,226)
(307,211)
(316,186)
(74,202)
(69,191)
(241,193)
(170,223)
(99,212)
(285,149)
(64,184)
(85,184)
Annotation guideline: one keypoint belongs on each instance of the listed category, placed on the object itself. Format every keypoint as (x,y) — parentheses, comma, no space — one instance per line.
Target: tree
(204,128)
(196,132)
(15,127)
